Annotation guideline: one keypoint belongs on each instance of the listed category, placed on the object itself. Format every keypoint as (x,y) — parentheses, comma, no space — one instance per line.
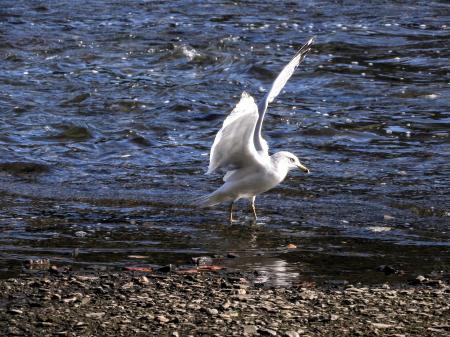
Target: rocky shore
(215,303)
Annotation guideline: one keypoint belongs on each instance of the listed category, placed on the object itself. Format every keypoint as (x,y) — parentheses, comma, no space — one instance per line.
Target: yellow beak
(303,168)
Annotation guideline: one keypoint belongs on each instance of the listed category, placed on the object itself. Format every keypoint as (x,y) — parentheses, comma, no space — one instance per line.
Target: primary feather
(277,86)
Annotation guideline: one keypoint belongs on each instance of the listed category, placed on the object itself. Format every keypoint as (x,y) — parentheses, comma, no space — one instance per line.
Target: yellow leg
(231,212)
(253,207)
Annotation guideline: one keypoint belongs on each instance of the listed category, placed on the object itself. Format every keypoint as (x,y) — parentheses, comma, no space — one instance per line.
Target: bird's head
(291,161)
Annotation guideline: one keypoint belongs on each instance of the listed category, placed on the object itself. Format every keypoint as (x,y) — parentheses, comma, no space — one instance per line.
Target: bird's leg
(231,212)
(252,200)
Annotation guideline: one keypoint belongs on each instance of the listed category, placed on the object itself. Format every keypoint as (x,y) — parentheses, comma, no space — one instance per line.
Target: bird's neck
(279,166)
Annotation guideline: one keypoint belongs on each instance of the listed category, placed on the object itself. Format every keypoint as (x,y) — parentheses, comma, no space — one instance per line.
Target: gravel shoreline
(215,304)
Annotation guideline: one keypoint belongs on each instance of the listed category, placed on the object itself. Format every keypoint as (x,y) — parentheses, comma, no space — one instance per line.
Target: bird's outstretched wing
(277,86)
(233,146)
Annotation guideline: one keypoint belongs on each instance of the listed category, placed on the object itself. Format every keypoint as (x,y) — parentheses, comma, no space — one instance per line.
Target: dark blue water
(108,110)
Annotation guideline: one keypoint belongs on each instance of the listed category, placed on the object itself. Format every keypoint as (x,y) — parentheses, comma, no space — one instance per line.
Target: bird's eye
(292,160)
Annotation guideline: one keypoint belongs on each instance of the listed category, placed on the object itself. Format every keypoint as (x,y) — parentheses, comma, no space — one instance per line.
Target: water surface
(109,108)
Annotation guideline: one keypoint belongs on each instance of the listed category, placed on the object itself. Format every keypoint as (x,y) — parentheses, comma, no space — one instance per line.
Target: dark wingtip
(305,49)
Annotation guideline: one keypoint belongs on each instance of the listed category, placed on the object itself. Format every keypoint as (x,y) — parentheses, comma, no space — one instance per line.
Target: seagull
(240,150)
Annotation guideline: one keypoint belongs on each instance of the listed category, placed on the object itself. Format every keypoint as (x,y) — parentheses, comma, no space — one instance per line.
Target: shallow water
(108,111)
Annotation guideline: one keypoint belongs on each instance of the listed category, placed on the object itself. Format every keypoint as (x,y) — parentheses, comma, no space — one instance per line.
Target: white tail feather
(211,199)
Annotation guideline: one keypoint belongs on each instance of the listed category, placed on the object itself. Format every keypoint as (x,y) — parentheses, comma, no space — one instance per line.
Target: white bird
(240,150)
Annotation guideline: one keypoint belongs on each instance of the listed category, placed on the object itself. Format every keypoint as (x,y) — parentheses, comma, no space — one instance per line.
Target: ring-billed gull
(241,151)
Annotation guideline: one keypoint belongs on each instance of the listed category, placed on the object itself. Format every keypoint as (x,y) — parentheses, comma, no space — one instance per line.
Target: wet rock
(167,269)
(80,234)
(37,264)
(419,280)
(139,257)
(387,269)
(422,280)
(232,255)
(24,168)
(202,261)
(261,277)
(77,99)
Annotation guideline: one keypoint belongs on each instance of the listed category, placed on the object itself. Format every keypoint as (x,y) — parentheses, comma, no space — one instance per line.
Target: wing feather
(233,146)
(287,71)
(277,86)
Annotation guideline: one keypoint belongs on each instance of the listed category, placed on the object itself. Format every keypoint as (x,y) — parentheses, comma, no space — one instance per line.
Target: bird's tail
(209,200)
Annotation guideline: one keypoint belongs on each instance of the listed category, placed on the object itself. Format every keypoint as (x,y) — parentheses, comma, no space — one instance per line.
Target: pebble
(308,295)
(291,333)
(212,311)
(334,317)
(84,278)
(250,330)
(387,270)
(421,278)
(162,319)
(80,234)
(382,325)
(166,269)
(127,285)
(56,296)
(202,261)
(143,280)
(226,305)
(15,311)
(267,332)
(96,315)
(212,304)
(232,255)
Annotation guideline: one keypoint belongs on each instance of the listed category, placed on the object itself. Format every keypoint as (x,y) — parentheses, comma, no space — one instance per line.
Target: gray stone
(162,319)
(212,311)
(291,333)
(96,315)
(250,330)
(267,332)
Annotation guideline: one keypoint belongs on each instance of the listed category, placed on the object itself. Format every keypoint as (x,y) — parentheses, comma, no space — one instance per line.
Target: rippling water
(108,110)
